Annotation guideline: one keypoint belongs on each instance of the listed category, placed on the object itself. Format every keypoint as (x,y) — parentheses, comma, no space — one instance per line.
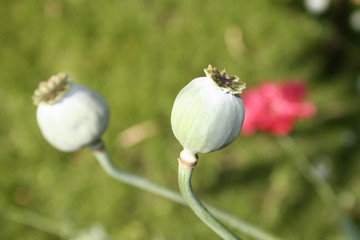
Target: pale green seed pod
(70,116)
(208,113)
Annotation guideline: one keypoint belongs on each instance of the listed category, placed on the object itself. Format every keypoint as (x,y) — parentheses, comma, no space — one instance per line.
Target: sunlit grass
(138,55)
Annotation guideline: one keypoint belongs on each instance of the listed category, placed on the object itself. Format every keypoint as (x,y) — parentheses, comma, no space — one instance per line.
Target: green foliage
(138,55)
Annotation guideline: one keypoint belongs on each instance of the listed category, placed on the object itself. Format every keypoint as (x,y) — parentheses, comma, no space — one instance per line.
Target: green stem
(199,209)
(37,221)
(322,187)
(301,162)
(110,168)
(134,180)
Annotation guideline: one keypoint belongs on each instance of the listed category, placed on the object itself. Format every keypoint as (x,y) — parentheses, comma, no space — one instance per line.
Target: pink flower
(274,107)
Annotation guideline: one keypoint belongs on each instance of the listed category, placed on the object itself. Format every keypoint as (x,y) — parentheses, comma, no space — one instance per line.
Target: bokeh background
(138,55)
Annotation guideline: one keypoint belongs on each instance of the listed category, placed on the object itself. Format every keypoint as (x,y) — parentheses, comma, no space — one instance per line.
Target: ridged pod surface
(208,114)
(78,118)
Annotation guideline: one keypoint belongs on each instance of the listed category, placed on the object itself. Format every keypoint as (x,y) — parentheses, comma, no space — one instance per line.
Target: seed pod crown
(52,90)
(221,78)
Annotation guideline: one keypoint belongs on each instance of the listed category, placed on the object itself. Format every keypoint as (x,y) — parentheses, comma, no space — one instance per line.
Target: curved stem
(322,187)
(110,168)
(199,209)
(37,221)
(302,163)
(134,180)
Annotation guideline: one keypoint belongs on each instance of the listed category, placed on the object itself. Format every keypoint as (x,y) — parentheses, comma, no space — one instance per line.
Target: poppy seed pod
(208,113)
(70,116)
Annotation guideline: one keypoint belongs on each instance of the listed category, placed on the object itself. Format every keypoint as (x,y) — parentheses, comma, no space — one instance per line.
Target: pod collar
(221,78)
(52,90)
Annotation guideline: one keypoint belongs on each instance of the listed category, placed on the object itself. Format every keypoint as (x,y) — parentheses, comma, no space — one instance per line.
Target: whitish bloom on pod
(317,7)
(208,113)
(70,116)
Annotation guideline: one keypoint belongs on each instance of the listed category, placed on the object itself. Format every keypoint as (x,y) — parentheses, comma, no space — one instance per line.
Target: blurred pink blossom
(274,107)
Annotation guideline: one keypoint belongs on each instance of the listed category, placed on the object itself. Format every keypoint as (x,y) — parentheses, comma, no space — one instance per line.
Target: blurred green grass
(139,54)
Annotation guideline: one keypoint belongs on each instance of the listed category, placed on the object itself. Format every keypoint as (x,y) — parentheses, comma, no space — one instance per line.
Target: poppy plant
(274,107)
